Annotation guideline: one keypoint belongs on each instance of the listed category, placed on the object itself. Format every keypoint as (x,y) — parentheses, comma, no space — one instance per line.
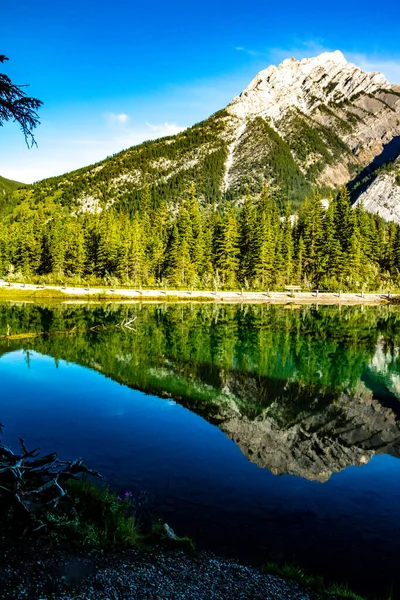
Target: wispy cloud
(60,155)
(246,50)
(117,117)
(164,128)
(130,136)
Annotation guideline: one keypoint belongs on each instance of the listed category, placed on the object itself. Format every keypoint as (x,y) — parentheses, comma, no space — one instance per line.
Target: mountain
(313,123)
(7,185)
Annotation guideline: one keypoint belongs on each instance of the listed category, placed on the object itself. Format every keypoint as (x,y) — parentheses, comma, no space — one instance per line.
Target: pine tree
(265,251)
(57,246)
(158,243)
(267,240)
(227,249)
(287,248)
(344,218)
(197,250)
(145,211)
(136,258)
(333,258)
(75,254)
(247,239)
(180,271)
(312,232)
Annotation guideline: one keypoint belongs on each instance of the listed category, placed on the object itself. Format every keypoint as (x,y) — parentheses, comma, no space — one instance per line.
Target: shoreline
(148,573)
(18,291)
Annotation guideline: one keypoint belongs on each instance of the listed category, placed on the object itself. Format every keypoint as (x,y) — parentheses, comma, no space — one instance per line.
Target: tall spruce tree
(227,248)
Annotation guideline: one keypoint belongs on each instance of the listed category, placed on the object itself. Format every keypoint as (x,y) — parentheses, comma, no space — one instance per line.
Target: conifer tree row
(189,245)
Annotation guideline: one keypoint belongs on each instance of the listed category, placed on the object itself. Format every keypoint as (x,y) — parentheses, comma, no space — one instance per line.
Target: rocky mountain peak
(316,123)
(305,84)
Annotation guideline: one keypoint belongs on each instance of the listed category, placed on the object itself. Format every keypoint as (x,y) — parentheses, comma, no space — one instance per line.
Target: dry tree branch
(33,483)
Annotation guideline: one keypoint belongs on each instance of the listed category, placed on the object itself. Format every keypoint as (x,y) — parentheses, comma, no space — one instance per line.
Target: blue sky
(112,74)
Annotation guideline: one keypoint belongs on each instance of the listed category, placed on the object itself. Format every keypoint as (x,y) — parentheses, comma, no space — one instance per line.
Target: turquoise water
(269,434)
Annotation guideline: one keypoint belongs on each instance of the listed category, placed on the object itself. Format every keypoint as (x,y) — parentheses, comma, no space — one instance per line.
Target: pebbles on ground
(156,574)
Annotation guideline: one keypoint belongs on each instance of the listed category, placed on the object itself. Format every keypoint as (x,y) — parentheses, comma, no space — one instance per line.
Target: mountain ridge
(8,185)
(303,125)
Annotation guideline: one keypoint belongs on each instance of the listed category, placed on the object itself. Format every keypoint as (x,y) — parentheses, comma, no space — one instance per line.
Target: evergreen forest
(254,245)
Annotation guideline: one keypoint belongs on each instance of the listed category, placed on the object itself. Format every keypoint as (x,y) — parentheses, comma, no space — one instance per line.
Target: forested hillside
(8,185)
(254,246)
(167,166)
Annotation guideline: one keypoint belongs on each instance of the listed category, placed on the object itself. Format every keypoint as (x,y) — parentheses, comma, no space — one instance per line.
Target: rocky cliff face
(305,84)
(382,196)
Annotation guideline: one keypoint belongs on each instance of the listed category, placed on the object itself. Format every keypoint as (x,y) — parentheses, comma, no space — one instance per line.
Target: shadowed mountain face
(305,392)
(313,123)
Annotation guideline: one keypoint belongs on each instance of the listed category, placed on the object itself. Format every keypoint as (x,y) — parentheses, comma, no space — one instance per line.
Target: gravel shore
(139,574)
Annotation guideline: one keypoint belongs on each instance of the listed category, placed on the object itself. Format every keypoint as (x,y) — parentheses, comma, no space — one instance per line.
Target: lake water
(261,431)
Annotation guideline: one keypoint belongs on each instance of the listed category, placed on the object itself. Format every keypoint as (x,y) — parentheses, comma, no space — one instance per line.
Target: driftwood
(34,484)
(96,328)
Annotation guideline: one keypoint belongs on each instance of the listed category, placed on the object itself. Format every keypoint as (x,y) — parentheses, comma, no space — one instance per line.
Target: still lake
(262,432)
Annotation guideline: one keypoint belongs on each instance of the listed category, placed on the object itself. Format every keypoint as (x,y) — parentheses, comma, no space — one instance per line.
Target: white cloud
(246,50)
(56,156)
(117,118)
(164,128)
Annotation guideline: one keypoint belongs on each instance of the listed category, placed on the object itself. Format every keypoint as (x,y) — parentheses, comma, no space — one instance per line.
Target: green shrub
(97,518)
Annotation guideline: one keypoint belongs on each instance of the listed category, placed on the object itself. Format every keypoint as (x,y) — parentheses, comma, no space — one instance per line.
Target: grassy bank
(97,522)
(34,293)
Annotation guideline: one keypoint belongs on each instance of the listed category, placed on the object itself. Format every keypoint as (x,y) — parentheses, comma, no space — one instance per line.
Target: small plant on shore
(316,582)
(97,518)
(296,573)
(341,590)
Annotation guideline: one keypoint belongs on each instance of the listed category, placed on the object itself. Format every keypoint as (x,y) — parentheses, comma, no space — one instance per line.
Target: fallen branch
(96,328)
(35,485)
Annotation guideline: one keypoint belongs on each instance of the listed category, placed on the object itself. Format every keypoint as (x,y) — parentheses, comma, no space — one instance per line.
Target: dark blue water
(197,478)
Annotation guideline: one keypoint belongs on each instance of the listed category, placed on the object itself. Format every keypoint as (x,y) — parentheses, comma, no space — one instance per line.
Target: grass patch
(18,294)
(341,590)
(317,583)
(50,294)
(96,518)
(295,573)
(99,518)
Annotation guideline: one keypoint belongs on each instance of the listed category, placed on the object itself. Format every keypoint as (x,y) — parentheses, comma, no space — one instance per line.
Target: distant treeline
(253,246)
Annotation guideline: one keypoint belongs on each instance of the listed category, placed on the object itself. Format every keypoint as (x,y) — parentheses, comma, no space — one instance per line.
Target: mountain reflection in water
(301,392)
(306,392)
